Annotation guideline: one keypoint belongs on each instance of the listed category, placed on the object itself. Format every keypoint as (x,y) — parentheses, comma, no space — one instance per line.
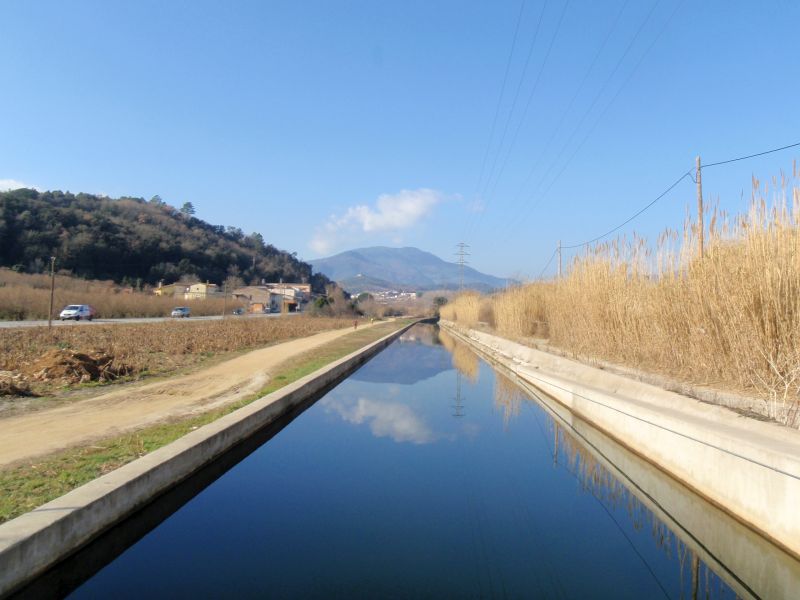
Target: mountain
(380,267)
(133,241)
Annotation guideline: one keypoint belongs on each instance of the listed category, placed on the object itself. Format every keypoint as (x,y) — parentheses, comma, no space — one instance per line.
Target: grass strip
(26,486)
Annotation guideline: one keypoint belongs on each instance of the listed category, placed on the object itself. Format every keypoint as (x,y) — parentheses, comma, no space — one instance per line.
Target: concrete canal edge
(748,468)
(39,539)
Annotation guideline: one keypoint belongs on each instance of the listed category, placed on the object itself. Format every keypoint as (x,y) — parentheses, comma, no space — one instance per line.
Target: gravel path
(127,408)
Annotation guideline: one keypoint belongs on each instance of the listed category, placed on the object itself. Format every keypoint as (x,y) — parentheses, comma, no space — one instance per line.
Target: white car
(77,312)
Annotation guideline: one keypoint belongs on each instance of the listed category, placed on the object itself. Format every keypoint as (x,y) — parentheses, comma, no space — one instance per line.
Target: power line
(608,106)
(516,94)
(588,111)
(632,217)
(527,105)
(725,162)
(552,256)
(664,193)
(482,189)
(500,99)
(572,100)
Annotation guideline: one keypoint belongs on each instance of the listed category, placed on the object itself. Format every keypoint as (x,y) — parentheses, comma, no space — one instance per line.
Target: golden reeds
(464,360)
(730,319)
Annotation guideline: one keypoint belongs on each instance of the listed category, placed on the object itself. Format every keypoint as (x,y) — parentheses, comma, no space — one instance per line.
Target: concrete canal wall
(749,563)
(37,540)
(748,468)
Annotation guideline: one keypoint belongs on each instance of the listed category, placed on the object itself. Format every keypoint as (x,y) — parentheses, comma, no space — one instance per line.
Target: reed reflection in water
(769,572)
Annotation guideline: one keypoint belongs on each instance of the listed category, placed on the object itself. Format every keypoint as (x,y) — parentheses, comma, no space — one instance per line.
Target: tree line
(134,240)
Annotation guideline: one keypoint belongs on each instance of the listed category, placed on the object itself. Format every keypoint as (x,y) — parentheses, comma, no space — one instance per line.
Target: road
(59,323)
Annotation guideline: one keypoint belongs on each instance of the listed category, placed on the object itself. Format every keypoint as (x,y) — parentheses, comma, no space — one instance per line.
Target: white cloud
(13,184)
(386,419)
(391,213)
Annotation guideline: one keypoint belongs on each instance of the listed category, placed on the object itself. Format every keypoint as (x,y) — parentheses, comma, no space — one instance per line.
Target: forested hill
(134,241)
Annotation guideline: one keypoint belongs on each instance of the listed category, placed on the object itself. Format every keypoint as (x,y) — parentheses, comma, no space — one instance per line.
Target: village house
(173,289)
(202,291)
(189,291)
(259,299)
(274,297)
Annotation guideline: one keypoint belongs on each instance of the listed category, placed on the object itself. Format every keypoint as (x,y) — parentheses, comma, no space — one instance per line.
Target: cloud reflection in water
(386,419)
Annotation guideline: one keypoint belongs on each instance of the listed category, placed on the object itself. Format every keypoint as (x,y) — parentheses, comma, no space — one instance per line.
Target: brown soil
(14,384)
(134,406)
(70,367)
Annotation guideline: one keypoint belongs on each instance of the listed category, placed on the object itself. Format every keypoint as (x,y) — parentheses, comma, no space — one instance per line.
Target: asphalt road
(59,323)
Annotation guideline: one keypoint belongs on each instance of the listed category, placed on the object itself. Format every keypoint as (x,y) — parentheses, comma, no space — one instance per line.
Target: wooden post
(559,259)
(700,226)
(52,291)
(224,298)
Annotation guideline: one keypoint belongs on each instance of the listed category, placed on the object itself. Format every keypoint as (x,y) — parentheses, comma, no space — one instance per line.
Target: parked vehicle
(182,312)
(237,311)
(78,312)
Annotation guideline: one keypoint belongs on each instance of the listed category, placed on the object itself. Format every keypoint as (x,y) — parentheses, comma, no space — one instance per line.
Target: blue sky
(332,125)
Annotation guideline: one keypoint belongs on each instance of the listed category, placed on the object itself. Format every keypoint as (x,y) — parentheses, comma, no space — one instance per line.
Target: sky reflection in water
(414,479)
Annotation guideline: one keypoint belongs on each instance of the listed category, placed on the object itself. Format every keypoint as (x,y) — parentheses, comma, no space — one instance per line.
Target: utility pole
(700,226)
(559,259)
(52,291)
(224,298)
(462,252)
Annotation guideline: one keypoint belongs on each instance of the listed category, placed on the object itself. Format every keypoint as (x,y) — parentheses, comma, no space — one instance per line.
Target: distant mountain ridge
(382,267)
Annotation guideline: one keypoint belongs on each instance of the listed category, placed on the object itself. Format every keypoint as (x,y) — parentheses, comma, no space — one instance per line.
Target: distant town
(270,297)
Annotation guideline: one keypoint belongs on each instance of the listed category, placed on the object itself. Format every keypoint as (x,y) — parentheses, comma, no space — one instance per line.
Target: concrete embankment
(748,468)
(37,540)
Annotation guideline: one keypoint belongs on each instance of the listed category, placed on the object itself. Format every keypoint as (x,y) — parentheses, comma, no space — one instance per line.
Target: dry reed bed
(730,319)
(24,296)
(158,347)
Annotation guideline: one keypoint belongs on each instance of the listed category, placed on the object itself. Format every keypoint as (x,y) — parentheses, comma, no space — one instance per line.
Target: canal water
(429,474)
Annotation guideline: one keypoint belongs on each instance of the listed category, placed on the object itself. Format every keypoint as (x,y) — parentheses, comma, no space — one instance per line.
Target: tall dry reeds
(468,308)
(730,319)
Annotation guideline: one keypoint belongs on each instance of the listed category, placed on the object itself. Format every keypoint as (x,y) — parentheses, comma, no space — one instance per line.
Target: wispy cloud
(391,213)
(13,184)
(386,419)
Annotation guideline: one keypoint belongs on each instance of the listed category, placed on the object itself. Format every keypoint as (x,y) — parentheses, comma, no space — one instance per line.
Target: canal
(429,473)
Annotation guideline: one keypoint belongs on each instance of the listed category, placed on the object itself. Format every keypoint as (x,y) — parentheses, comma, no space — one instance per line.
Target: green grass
(26,486)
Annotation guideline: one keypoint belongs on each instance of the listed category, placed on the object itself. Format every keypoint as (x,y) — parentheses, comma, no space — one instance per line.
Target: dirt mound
(14,384)
(69,366)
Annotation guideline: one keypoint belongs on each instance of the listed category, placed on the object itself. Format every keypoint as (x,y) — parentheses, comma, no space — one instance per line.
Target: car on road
(181,312)
(237,311)
(77,312)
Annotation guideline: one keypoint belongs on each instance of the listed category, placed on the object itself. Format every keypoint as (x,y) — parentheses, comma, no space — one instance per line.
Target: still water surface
(424,474)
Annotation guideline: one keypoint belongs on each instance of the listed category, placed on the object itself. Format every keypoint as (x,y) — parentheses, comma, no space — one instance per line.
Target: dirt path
(123,409)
